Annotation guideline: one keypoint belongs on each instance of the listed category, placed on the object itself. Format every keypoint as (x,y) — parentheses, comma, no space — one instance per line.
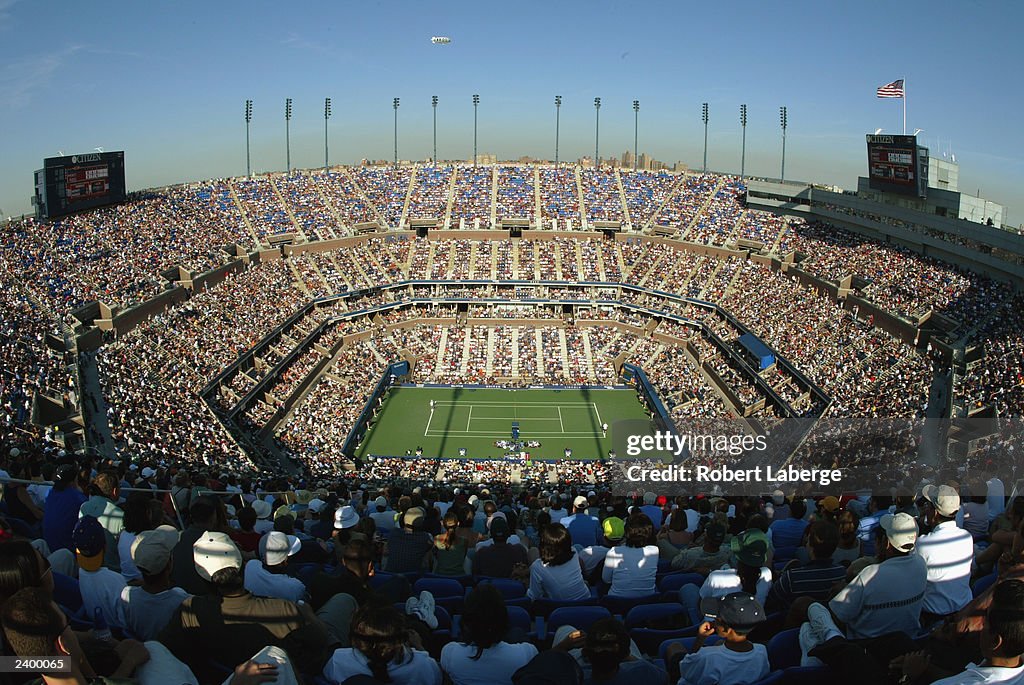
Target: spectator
(147,609)
(245,536)
(382,648)
(610,654)
(751,575)
(584,529)
(269,577)
(817,577)
(500,558)
(62,508)
(140,513)
(102,505)
(673,538)
(704,559)
(202,517)
(483,656)
(631,568)
(21,565)
(652,510)
(409,547)
(886,597)
(100,587)
(450,549)
(788,533)
(849,548)
(948,552)
(382,516)
(736,661)
(557,573)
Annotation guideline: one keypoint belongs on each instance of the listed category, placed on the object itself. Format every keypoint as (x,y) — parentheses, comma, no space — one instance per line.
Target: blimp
(440,40)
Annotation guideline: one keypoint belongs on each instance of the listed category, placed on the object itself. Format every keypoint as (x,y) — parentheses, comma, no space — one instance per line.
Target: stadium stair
(537,215)
(515,352)
(404,220)
(447,224)
(365,198)
(245,218)
(288,210)
(622,196)
(579,194)
(703,209)
(563,351)
(494,197)
(679,183)
(439,366)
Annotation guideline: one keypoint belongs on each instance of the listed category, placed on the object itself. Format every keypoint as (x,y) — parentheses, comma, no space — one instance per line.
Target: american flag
(892,90)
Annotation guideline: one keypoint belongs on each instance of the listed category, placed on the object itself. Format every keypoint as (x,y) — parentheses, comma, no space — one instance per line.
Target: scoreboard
(897,165)
(76,182)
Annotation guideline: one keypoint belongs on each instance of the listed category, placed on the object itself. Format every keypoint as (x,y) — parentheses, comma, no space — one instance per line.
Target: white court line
(452,403)
(469,419)
(556,434)
(429,419)
(561,425)
(516,418)
(599,421)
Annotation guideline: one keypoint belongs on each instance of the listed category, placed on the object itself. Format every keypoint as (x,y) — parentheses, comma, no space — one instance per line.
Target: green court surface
(474,418)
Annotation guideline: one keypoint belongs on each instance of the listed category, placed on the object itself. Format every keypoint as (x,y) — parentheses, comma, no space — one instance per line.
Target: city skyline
(169,89)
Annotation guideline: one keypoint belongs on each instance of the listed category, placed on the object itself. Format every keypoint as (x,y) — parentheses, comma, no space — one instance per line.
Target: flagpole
(904,105)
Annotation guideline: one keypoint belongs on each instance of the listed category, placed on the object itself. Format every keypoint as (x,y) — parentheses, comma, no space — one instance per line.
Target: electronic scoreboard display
(70,184)
(897,165)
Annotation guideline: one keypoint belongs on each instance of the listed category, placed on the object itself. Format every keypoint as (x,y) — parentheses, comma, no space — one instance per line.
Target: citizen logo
(91,157)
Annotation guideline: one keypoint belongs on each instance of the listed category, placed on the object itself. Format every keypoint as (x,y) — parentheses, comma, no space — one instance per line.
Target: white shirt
(591,556)
(726,581)
(557,582)
(417,668)
(102,589)
(948,552)
(124,554)
(631,570)
(883,598)
(494,667)
(717,665)
(985,674)
(262,583)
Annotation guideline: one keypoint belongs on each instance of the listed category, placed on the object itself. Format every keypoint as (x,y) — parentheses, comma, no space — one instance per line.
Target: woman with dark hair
(21,565)
(19,502)
(139,515)
(482,657)
(750,574)
(849,549)
(614,658)
(381,649)
(450,548)
(631,567)
(557,574)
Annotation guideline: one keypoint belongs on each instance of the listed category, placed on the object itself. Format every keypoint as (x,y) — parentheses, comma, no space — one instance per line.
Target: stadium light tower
(783,120)
(743,148)
(704,118)
(433,103)
(476,103)
(597,130)
(248,119)
(636,124)
(558,108)
(394,104)
(327,115)
(287,134)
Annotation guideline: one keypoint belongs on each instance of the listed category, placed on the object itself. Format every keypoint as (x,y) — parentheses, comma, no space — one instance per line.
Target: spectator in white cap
(886,597)
(263,509)
(947,551)
(269,577)
(147,475)
(149,607)
(230,625)
(382,516)
(409,547)
(584,529)
(557,509)
(652,510)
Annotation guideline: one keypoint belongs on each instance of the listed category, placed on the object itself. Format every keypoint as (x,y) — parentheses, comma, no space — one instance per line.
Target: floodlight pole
(558,107)
(784,120)
(597,131)
(476,103)
(287,133)
(743,148)
(394,104)
(636,124)
(248,119)
(327,115)
(433,103)
(704,118)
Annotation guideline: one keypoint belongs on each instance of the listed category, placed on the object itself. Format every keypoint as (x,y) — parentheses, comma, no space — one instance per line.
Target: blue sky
(166,82)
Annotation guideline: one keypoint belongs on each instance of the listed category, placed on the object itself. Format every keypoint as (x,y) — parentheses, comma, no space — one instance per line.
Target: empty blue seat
(580,617)
(642,614)
(673,581)
(544,607)
(66,592)
(784,649)
(620,605)
(439,587)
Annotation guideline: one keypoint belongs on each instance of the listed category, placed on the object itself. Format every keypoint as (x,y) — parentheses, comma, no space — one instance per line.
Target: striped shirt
(814,579)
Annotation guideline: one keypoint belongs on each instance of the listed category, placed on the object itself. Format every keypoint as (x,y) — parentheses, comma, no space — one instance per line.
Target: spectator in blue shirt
(789,532)
(62,506)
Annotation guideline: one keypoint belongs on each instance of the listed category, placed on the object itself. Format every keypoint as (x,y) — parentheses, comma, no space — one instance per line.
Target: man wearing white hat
(886,597)
(947,551)
(263,509)
(148,608)
(382,515)
(269,577)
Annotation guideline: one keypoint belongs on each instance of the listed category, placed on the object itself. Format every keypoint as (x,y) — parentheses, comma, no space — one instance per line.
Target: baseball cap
(499,526)
(151,549)
(89,539)
(580,501)
(148,472)
(736,610)
(751,547)
(381,501)
(67,473)
(473,499)
(715,532)
(945,499)
(345,517)
(614,528)
(262,508)
(411,516)
(276,547)
(214,551)
(901,529)
(830,503)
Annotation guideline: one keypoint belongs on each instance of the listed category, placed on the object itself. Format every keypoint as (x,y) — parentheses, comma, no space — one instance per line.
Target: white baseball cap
(901,529)
(945,499)
(580,501)
(380,501)
(261,508)
(214,551)
(148,472)
(276,547)
(316,505)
